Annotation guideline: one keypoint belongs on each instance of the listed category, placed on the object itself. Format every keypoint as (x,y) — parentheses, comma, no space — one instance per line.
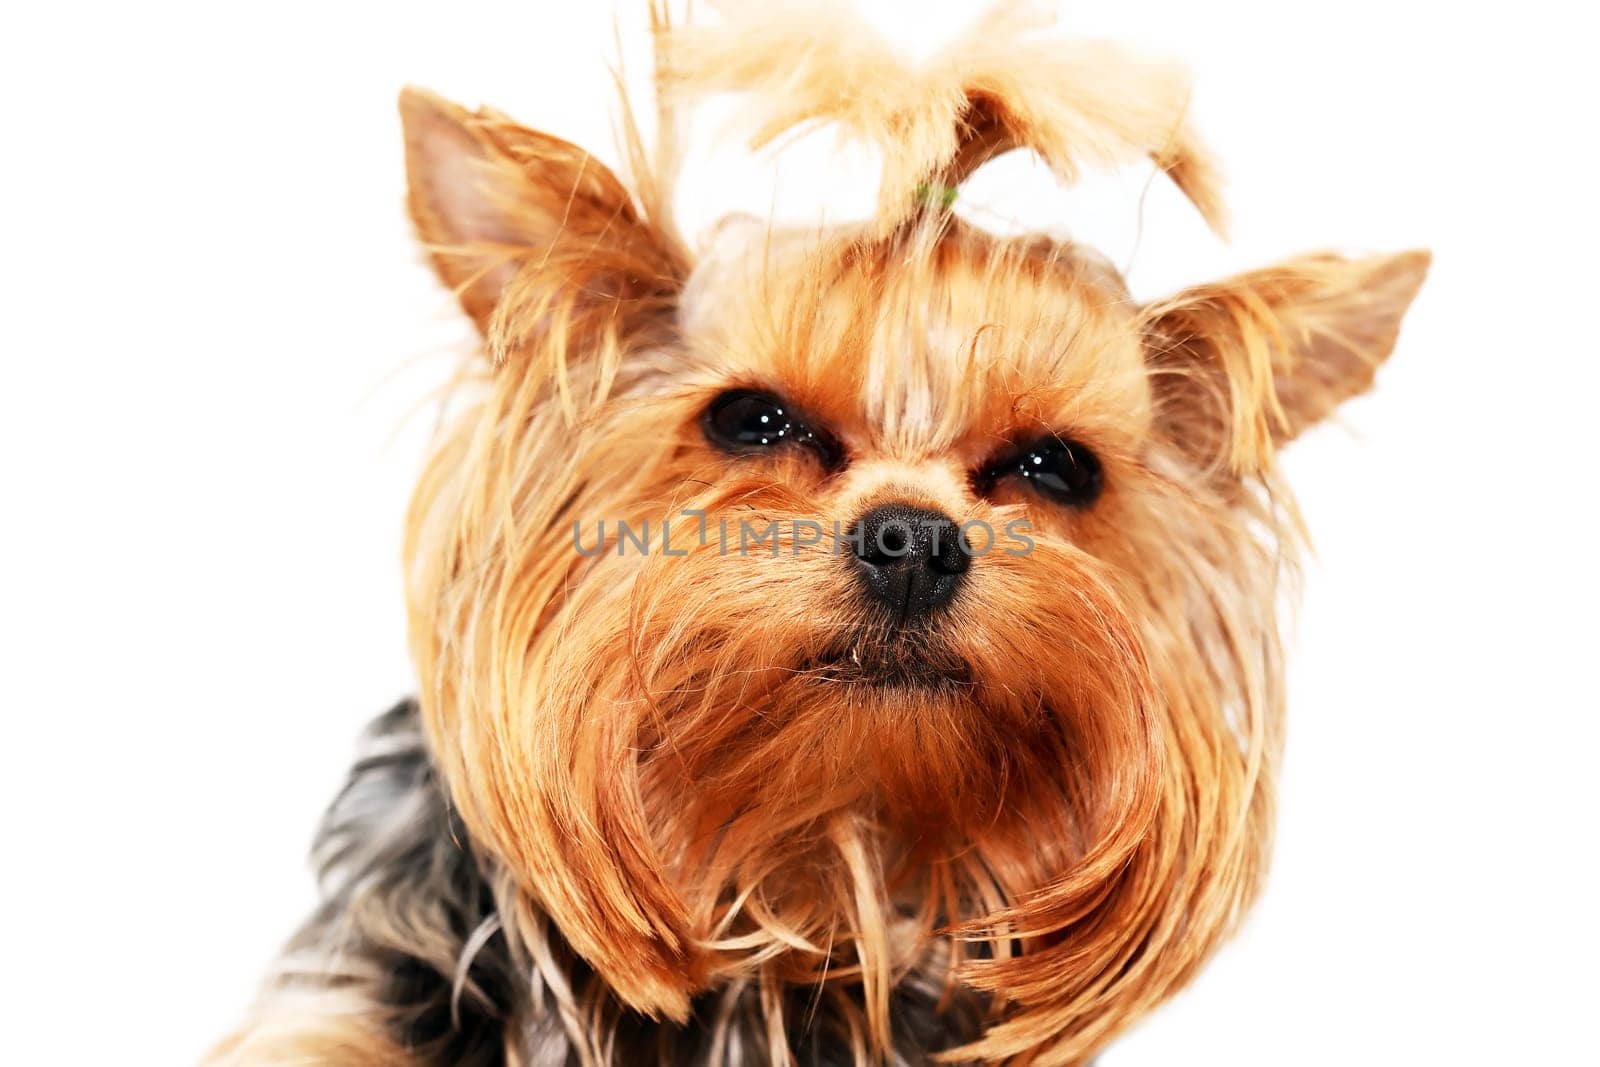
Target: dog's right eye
(745,421)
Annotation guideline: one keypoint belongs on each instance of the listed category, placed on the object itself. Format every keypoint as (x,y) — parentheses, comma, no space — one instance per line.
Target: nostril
(892,541)
(952,551)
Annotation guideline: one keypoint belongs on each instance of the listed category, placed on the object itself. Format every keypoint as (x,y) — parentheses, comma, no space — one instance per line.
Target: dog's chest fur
(409,921)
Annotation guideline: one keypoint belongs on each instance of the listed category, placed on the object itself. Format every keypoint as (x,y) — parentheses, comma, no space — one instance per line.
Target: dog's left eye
(746,421)
(1058,468)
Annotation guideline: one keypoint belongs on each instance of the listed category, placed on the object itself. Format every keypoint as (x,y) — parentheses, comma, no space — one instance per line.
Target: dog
(853,644)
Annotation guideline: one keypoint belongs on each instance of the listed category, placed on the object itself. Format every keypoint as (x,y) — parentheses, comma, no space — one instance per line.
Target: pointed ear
(1242,366)
(525,227)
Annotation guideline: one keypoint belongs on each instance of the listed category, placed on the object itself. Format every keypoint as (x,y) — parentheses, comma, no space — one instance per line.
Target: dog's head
(835,604)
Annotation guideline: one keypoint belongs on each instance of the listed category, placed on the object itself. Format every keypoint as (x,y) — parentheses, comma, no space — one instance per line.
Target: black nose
(911,559)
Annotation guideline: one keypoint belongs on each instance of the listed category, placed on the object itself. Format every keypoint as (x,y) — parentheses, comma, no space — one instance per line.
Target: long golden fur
(682,813)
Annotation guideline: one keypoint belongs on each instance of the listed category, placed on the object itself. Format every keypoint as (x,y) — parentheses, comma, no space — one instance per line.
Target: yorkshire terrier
(842,645)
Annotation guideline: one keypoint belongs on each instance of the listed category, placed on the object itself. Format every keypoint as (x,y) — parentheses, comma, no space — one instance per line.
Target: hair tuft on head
(1009,82)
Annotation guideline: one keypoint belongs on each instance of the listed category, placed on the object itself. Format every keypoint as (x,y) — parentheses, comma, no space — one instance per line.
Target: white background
(218,346)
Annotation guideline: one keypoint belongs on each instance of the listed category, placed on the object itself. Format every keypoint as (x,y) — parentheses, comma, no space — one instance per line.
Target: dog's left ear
(1242,366)
(532,233)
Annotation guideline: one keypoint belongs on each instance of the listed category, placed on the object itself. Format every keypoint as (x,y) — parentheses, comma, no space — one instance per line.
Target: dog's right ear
(535,236)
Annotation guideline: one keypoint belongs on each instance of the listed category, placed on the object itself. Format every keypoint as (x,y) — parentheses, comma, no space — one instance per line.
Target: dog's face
(819,606)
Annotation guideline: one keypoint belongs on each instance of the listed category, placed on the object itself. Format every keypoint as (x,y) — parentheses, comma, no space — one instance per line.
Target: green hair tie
(944,195)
